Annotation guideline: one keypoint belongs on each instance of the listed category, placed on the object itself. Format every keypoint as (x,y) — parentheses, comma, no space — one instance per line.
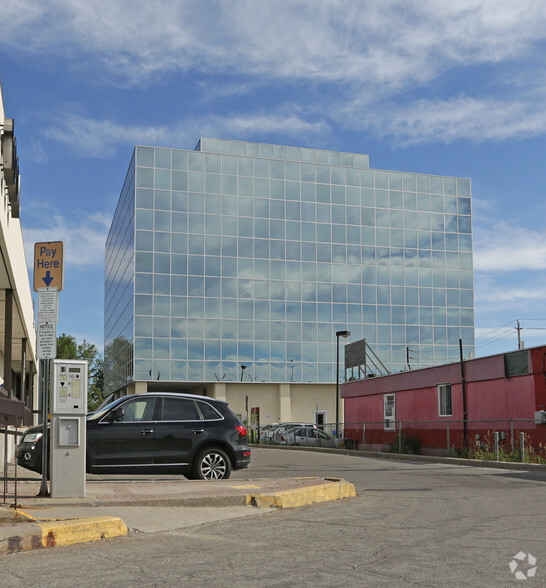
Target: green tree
(118,357)
(96,383)
(68,348)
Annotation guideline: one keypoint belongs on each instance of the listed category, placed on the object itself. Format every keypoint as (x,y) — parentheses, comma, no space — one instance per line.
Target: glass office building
(241,260)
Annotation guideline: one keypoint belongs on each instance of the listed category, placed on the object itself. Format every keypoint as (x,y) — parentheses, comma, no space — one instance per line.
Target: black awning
(12,412)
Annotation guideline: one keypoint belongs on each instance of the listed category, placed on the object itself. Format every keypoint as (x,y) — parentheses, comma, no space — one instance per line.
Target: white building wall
(11,241)
(292,402)
(15,277)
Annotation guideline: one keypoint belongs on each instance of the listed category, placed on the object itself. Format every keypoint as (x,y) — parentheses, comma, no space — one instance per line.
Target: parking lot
(412,523)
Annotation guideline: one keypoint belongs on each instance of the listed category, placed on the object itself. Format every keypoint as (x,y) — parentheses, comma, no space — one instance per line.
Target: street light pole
(339,334)
(243,368)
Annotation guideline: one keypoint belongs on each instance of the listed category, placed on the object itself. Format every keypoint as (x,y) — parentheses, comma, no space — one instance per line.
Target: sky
(448,88)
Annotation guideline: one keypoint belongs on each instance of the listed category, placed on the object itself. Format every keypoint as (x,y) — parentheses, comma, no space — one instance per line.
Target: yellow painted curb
(68,532)
(13,514)
(304,496)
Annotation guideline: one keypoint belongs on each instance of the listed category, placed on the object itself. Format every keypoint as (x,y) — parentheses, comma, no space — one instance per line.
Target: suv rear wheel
(211,464)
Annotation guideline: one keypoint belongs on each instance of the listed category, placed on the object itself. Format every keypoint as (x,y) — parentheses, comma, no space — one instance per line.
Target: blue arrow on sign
(48,278)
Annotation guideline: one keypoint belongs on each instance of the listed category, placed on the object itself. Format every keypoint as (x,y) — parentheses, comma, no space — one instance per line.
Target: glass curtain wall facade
(246,254)
(119,290)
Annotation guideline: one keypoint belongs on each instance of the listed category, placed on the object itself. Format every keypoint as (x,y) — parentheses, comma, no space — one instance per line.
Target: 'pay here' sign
(48,265)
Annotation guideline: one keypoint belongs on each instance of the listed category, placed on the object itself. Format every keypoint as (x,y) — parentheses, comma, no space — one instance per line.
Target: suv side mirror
(115,415)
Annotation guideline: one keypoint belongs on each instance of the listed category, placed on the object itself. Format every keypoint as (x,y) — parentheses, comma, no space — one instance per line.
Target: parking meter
(68,428)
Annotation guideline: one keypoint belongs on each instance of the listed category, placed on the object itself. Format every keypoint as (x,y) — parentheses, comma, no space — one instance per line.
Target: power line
(494,335)
(497,334)
(499,328)
(506,335)
(533,319)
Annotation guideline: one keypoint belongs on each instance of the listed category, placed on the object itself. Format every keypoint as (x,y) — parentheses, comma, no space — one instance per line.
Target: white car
(280,433)
(311,437)
(267,431)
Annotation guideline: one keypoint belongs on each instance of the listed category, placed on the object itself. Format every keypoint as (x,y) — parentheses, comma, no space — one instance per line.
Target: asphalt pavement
(117,505)
(416,522)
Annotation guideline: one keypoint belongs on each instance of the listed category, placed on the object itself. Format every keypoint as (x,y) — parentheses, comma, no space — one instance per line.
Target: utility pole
(519,329)
(463,390)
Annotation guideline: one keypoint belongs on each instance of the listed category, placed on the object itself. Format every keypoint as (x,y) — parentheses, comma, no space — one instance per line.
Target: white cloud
(503,293)
(478,119)
(507,248)
(389,42)
(369,57)
(509,281)
(83,238)
(422,121)
(37,152)
(287,125)
(102,138)
(212,91)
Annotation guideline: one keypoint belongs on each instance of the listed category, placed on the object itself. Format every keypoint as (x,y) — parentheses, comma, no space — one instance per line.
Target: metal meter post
(48,281)
(46,350)
(68,428)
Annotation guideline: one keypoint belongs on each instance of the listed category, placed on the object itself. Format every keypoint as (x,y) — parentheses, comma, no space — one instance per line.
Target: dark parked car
(161,433)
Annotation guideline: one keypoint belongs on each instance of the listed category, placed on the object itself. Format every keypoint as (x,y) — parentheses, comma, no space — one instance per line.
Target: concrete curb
(42,534)
(189,501)
(477,463)
(21,532)
(335,489)
(12,515)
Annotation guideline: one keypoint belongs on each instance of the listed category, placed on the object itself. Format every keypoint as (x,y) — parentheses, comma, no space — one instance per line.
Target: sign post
(46,347)
(48,281)
(47,305)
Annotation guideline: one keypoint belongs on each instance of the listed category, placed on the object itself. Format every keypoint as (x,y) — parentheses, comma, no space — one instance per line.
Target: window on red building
(516,364)
(389,411)
(444,400)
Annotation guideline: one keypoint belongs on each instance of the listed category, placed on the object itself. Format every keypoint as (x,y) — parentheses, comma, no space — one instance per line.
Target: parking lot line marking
(246,486)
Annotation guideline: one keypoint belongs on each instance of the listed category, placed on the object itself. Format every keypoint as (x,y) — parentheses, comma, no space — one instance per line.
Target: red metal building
(445,408)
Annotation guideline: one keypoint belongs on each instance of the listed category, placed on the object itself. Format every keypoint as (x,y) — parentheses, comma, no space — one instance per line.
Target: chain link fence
(503,440)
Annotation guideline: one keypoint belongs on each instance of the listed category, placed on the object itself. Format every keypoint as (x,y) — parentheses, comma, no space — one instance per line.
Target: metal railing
(495,439)
(8,456)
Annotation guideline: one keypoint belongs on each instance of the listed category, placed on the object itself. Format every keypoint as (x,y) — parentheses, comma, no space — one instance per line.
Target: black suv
(157,432)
